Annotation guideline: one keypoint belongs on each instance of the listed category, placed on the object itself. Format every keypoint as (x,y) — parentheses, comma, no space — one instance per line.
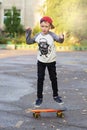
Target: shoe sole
(36,106)
(61,103)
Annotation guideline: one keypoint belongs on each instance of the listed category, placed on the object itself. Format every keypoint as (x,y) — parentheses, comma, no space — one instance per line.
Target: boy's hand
(62,36)
(29,31)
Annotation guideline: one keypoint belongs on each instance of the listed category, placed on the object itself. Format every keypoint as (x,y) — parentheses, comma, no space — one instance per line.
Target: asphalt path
(18,79)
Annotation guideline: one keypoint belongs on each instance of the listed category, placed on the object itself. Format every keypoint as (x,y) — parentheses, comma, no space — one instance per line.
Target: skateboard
(36,112)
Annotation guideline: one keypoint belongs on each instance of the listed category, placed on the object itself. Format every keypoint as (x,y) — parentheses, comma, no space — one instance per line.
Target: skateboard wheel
(36,115)
(60,115)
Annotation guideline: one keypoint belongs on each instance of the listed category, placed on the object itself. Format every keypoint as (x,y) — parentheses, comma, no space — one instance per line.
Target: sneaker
(58,99)
(38,102)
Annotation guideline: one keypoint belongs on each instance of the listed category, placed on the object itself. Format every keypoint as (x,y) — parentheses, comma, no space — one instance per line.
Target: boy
(46,56)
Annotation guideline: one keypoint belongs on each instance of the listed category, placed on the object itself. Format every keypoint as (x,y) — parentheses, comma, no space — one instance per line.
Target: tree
(12,22)
(69,16)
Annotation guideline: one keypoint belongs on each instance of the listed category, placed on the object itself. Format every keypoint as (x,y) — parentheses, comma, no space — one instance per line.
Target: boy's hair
(47,19)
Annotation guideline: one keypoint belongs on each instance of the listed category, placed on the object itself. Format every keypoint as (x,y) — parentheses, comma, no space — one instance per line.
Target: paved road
(18,91)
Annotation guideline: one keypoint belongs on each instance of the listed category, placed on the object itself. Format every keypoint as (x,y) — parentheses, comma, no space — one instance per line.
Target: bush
(3,40)
(36,29)
(84,42)
(19,40)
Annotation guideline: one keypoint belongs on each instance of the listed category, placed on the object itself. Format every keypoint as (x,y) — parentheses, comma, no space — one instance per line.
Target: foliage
(36,29)
(70,18)
(16,40)
(12,22)
(19,40)
(3,40)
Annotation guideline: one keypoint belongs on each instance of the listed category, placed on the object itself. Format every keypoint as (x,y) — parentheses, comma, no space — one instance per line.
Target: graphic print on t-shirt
(44,47)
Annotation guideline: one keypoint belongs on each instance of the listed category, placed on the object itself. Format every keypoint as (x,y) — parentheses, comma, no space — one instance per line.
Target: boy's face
(45,27)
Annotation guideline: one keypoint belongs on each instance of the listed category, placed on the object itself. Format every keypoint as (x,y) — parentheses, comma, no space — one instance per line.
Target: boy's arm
(61,38)
(58,38)
(29,40)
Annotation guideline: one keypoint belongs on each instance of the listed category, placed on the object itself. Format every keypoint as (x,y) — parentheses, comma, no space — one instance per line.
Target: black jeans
(52,74)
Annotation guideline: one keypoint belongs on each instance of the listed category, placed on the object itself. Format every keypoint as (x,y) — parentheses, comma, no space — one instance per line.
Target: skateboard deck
(36,112)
